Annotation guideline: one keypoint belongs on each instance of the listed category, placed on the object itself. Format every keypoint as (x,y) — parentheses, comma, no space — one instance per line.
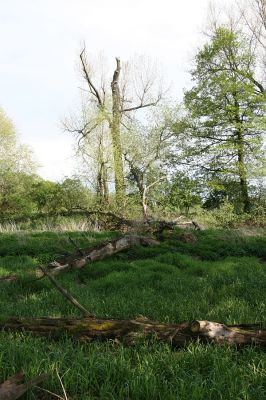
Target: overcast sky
(40,40)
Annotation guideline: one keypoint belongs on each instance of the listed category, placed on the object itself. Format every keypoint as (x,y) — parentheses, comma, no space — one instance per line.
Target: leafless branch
(87,77)
(142,105)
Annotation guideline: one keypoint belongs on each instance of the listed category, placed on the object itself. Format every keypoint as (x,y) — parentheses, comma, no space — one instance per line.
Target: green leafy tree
(182,193)
(16,171)
(147,149)
(52,197)
(227,110)
(43,194)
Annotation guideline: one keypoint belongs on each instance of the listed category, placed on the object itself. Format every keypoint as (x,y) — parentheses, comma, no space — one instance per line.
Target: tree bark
(8,278)
(241,156)
(15,386)
(129,331)
(242,173)
(115,125)
(99,252)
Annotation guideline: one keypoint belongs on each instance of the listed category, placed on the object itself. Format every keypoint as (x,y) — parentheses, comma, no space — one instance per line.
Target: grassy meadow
(221,277)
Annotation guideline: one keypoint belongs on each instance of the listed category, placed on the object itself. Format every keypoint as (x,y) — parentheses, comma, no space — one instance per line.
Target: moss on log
(128,331)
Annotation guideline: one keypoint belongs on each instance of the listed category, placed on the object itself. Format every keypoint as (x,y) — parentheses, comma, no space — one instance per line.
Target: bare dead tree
(132,88)
(253,13)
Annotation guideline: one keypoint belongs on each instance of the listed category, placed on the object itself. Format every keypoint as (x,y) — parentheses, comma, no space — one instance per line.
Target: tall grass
(221,277)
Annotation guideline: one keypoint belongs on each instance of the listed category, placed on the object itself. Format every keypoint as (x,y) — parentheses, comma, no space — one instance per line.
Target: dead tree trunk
(99,252)
(15,386)
(129,331)
(115,125)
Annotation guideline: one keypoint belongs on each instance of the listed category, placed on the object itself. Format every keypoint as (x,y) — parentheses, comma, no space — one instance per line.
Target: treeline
(208,150)
(141,153)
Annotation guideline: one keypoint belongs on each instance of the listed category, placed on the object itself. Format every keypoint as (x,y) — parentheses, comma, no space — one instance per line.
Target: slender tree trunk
(116,137)
(144,203)
(242,172)
(243,182)
(241,156)
(105,184)
(102,183)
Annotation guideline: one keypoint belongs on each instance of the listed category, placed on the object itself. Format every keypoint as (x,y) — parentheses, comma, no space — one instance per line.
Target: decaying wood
(8,278)
(15,386)
(99,252)
(129,331)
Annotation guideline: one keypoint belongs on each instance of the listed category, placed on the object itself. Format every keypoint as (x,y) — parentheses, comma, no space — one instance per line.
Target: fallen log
(129,331)
(8,278)
(95,253)
(15,386)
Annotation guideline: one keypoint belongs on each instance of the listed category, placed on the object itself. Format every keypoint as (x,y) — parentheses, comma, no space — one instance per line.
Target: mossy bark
(129,331)
(115,126)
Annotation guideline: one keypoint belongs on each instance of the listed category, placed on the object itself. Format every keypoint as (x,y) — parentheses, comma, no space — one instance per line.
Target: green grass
(221,277)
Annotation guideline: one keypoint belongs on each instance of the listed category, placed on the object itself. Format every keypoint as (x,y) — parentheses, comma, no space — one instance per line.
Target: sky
(40,42)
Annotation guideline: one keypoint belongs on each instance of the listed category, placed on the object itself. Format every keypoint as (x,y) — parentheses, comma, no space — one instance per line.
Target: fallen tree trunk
(8,278)
(15,386)
(128,331)
(95,253)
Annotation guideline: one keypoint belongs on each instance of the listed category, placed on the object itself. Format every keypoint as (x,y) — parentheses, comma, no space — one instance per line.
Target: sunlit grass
(221,277)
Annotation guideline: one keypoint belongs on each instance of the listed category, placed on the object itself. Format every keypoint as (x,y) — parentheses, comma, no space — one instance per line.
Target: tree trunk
(115,134)
(242,172)
(129,331)
(16,386)
(144,203)
(102,183)
(241,156)
(98,252)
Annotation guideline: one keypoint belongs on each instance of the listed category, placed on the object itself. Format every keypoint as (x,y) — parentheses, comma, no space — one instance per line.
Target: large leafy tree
(16,170)
(227,110)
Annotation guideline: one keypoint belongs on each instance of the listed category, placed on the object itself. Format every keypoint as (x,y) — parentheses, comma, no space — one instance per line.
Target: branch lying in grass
(15,386)
(67,295)
(8,278)
(129,331)
(99,252)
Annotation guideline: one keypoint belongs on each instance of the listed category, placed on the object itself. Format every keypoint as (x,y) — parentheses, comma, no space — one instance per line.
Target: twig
(62,385)
(52,393)
(65,293)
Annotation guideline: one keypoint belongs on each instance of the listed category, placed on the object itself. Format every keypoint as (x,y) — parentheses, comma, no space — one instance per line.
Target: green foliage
(219,278)
(181,194)
(16,171)
(227,111)
(51,197)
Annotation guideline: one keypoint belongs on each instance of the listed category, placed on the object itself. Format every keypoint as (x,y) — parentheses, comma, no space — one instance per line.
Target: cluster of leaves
(24,192)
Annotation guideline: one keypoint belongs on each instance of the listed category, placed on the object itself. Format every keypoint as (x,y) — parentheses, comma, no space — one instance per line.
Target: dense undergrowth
(220,277)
